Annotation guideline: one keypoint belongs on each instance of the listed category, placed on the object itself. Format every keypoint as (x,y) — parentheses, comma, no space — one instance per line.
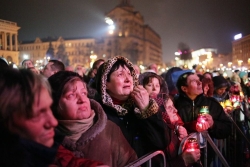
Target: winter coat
(20,152)
(66,158)
(189,109)
(103,142)
(144,130)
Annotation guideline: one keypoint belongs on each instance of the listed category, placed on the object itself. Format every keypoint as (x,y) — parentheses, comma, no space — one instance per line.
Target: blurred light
(238,36)
(109,21)
(111,27)
(177,53)
(14,66)
(111,32)
(142,67)
(25,56)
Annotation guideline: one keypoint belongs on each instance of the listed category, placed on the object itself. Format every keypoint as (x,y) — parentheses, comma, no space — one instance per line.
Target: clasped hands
(202,126)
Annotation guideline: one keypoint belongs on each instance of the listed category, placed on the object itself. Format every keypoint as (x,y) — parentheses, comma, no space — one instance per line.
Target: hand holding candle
(191,152)
(204,120)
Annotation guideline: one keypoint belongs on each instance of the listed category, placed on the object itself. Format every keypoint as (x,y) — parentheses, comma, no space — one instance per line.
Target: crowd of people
(113,114)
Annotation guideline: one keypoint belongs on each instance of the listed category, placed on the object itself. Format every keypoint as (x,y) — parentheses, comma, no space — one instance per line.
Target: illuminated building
(241,51)
(9,41)
(128,36)
(78,51)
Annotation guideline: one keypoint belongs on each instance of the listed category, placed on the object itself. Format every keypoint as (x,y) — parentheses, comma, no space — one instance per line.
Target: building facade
(130,38)
(241,52)
(207,58)
(9,41)
(78,51)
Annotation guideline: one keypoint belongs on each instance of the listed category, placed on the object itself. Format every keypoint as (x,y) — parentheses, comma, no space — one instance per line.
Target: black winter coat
(189,109)
(19,152)
(144,135)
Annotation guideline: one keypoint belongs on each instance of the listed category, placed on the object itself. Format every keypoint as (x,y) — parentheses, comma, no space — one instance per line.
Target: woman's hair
(209,82)
(97,63)
(18,89)
(149,78)
(115,67)
(209,73)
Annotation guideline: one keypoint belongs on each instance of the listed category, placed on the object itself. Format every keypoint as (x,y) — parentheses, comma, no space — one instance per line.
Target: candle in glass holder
(191,144)
(228,105)
(238,98)
(202,115)
(233,98)
(204,110)
(222,103)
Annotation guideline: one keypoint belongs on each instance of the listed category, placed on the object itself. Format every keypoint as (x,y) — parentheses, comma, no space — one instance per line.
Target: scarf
(74,129)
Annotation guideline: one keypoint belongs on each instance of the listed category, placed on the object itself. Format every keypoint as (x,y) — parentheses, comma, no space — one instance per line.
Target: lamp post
(111,26)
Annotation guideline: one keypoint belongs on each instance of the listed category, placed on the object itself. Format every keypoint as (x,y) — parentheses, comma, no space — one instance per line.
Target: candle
(204,110)
(191,144)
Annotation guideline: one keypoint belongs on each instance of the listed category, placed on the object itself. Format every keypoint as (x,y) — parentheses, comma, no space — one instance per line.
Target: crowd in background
(112,114)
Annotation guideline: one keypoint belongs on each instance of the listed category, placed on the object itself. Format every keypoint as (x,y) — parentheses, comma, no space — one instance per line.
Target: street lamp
(111,26)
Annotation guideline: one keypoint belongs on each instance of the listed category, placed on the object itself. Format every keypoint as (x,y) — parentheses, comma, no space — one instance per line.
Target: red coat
(66,158)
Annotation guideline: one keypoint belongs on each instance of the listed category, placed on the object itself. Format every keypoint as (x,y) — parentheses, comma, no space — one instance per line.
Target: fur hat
(219,82)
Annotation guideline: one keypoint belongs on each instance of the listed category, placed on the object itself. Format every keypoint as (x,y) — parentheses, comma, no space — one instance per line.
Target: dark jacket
(144,130)
(19,152)
(188,110)
(144,135)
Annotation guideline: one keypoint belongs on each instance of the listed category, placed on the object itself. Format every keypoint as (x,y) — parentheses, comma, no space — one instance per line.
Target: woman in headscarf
(87,131)
(128,105)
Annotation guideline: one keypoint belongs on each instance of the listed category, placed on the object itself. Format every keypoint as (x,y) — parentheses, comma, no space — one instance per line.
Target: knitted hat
(57,83)
(219,82)
(242,74)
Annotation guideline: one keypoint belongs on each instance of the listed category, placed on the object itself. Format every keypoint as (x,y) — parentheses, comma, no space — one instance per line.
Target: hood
(101,80)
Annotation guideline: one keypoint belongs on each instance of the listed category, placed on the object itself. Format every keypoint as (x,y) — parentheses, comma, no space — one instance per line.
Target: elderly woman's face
(153,87)
(74,103)
(39,128)
(171,110)
(121,83)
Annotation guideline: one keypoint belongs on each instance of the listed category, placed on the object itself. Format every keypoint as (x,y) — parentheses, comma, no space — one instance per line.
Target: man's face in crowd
(28,64)
(47,71)
(194,86)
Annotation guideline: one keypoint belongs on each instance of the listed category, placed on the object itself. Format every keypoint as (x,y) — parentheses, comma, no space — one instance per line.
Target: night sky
(198,23)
